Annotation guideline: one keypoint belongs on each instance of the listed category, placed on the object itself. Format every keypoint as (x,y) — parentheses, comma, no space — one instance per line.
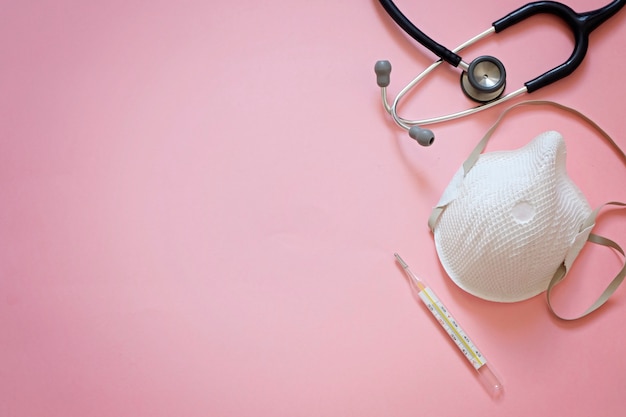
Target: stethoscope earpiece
(484,80)
(383,71)
(424,137)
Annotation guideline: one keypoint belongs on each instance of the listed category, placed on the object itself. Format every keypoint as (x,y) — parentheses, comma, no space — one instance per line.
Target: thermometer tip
(401,261)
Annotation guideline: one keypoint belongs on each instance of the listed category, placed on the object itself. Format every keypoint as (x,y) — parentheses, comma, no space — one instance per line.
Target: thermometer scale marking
(451,326)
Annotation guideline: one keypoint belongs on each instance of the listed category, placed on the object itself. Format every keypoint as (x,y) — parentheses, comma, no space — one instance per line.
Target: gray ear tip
(382,65)
(424,137)
(382,69)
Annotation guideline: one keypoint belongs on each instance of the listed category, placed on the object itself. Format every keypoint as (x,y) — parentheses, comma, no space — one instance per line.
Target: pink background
(200,202)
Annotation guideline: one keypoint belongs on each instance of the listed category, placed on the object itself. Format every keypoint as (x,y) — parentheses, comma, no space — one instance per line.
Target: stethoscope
(484,79)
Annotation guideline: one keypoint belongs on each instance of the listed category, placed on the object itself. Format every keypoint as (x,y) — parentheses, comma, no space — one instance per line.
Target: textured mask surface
(509,223)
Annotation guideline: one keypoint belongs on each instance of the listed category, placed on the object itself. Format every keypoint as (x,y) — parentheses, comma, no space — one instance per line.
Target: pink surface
(200,203)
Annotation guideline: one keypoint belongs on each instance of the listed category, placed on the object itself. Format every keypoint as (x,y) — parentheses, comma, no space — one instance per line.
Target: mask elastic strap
(480,147)
(613,285)
(593,238)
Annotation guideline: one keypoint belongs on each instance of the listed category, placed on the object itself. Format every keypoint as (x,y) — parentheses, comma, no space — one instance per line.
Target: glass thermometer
(454,330)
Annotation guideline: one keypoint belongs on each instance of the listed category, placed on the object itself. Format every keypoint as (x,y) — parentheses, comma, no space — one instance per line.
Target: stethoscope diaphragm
(484,80)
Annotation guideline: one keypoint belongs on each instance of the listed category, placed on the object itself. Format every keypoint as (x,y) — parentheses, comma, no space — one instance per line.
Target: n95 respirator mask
(511,223)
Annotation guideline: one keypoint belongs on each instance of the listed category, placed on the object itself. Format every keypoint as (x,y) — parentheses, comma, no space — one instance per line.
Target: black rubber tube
(581,25)
(411,30)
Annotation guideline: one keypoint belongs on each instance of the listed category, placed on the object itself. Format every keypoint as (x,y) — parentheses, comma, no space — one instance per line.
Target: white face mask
(511,223)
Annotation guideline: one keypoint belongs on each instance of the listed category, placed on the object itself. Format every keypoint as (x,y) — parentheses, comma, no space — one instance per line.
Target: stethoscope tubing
(581,25)
(407,124)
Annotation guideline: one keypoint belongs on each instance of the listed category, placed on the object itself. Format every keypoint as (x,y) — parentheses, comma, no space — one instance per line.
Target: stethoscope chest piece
(484,80)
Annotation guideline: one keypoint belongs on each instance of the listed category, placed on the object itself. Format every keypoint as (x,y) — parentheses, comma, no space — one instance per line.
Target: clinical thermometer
(454,330)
